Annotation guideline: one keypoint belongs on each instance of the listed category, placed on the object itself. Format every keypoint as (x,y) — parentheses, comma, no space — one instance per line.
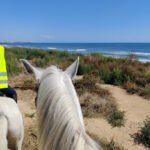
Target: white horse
(60,120)
(11,125)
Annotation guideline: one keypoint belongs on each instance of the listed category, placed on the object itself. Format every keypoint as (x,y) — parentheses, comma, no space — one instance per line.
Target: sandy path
(27,107)
(136,110)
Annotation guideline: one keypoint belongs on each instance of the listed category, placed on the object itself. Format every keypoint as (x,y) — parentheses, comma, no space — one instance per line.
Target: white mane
(58,118)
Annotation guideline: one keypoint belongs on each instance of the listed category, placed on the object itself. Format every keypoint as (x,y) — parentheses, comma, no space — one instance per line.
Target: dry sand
(27,107)
(136,109)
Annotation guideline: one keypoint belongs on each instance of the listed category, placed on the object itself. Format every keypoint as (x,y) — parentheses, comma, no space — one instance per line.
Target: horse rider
(5,89)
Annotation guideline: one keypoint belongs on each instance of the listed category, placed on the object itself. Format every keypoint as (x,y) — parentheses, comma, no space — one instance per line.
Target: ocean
(141,50)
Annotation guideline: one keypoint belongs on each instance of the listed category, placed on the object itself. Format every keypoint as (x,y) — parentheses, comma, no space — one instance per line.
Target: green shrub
(13,66)
(145,132)
(109,59)
(63,54)
(105,75)
(84,68)
(143,136)
(116,118)
(41,62)
(115,76)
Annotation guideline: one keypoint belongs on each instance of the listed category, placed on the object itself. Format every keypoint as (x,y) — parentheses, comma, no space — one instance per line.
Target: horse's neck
(60,118)
(50,83)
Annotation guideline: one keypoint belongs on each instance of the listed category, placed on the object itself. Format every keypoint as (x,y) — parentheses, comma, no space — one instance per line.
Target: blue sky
(75,20)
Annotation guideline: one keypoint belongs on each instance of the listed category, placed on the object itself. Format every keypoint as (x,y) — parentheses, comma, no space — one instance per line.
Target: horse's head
(52,76)
(39,73)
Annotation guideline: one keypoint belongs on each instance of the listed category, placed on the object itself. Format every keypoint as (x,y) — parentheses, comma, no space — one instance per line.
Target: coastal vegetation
(95,101)
(133,76)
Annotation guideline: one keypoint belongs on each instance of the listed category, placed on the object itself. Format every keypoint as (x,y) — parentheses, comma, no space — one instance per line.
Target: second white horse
(11,125)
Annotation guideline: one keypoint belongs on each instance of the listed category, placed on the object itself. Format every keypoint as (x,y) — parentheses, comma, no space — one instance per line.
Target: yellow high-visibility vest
(3,70)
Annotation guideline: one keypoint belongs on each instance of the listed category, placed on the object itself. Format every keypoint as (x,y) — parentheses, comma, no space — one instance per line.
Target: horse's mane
(60,126)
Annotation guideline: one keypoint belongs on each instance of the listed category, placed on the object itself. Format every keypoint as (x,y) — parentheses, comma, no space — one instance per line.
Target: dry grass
(23,81)
(107,145)
(130,87)
(96,106)
(95,101)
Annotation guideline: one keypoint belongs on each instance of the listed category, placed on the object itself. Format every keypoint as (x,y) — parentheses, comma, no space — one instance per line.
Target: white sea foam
(51,48)
(70,50)
(115,52)
(142,57)
(144,60)
(80,50)
(19,46)
(5,45)
(77,50)
(142,54)
(124,54)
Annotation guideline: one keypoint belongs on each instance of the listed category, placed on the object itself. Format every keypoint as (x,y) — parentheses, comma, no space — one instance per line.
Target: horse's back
(9,109)
(6,103)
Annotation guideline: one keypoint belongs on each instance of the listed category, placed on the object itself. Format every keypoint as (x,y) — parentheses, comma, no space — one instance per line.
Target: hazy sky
(75,20)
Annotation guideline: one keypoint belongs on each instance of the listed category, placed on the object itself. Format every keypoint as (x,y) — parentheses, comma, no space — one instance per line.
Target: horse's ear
(31,69)
(72,69)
